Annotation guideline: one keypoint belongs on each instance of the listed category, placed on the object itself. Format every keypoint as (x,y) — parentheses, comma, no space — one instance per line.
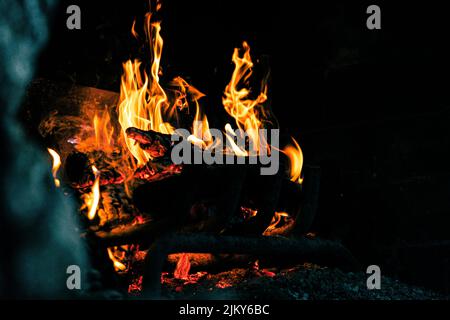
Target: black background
(371,107)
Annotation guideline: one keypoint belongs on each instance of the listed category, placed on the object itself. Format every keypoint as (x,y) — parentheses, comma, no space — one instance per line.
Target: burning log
(156,144)
(209,262)
(316,251)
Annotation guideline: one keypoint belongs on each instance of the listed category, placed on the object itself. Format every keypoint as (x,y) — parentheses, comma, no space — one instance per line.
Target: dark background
(371,107)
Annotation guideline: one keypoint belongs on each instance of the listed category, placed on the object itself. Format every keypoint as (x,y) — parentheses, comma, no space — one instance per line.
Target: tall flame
(143,101)
(247,112)
(295,156)
(92,199)
(55,166)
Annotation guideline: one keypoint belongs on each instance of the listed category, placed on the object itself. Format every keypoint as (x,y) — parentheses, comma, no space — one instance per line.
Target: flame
(277,218)
(118,266)
(248,212)
(103,131)
(248,113)
(55,166)
(295,156)
(201,136)
(102,137)
(92,199)
(133,30)
(143,102)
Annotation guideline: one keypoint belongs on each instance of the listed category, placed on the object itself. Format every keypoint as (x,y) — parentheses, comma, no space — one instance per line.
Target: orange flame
(55,166)
(118,266)
(201,136)
(248,113)
(102,137)
(103,131)
(277,218)
(295,156)
(92,199)
(143,102)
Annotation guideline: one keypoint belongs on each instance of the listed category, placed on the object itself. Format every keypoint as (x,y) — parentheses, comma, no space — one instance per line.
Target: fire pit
(193,152)
(235,193)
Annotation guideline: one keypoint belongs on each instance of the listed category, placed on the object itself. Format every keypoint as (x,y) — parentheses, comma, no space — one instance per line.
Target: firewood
(144,233)
(323,252)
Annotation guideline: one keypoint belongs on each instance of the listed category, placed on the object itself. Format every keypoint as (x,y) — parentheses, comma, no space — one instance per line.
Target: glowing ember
(136,285)
(55,166)
(183,267)
(222,284)
(92,199)
(248,212)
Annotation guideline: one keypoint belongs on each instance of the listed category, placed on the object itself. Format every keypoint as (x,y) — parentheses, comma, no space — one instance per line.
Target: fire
(92,199)
(295,156)
(118,266)
(103,131)
(55,166)
(248,213)
(98,135)
(201,136)
(277,218)
(248,113)
(143,102)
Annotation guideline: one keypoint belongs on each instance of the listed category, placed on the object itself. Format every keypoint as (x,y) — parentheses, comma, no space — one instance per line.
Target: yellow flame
(118,266)
(295,156)
(143,101)
(247,112)
(92,199)
(144,105)
(55,166)
(201,135)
